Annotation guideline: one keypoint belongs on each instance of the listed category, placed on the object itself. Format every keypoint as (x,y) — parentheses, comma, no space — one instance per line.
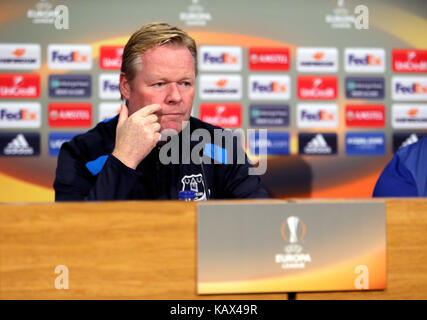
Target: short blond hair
(149,36)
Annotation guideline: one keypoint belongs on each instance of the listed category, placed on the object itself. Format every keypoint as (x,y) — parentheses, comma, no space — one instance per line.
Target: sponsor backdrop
(339,84)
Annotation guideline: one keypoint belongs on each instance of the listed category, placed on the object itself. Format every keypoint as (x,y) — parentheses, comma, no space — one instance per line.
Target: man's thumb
(123,114)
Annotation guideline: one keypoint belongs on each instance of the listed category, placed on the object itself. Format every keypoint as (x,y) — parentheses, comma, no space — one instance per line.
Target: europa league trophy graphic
(293,227)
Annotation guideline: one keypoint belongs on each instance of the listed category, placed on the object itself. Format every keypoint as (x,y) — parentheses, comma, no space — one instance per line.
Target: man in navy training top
(120,159)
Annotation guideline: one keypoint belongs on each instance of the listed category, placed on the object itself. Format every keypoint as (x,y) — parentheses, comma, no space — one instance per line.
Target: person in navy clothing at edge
(406,174)
(119,158)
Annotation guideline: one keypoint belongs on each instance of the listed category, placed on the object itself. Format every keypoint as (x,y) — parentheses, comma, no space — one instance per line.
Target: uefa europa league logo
(293,231)
(293,227)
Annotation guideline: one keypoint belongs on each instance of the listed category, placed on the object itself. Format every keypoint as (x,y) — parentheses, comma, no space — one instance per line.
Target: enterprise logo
(317,59)
(409,116)
(19,56)
(220,87)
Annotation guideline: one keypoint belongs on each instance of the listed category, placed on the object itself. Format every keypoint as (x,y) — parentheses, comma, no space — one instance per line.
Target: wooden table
(147,250)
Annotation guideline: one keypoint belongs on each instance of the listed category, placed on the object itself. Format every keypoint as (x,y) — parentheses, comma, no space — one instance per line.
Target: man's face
(166,77)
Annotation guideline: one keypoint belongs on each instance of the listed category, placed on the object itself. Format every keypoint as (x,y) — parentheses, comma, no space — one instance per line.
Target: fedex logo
(317,87)
(223,58)
(109,86)
(110,57)
(274,86)
(409,88)
(73,57)
(364,60)
(266,87)
(368,60)
(215,58)
(227,115)
(404,60)
(317,115)
(20,115)
(19,85)
(269,59)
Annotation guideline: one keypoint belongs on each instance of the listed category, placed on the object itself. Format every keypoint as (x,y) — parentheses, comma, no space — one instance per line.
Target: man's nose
(173,95)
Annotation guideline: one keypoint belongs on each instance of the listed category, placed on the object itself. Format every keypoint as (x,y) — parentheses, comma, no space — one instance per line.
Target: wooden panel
(147,250)
(113,250)
(406,255)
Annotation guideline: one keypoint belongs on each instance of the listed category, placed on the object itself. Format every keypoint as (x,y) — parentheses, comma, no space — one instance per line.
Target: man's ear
(124,86)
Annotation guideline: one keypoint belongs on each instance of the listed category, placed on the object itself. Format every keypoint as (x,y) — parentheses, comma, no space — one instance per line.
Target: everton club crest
(195,182)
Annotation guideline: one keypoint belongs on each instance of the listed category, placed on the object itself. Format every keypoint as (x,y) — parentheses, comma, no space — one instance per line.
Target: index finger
(147,110)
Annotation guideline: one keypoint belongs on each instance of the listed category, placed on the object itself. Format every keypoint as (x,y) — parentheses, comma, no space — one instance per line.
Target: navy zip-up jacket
(87,170)
(406,173)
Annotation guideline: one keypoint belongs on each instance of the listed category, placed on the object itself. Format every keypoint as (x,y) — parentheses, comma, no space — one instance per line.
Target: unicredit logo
(317,87)
(19,85)
(111,57)
(222,115)
(409,60)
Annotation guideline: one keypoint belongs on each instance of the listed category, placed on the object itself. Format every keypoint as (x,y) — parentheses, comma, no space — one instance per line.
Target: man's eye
(160,84)
(186,84)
